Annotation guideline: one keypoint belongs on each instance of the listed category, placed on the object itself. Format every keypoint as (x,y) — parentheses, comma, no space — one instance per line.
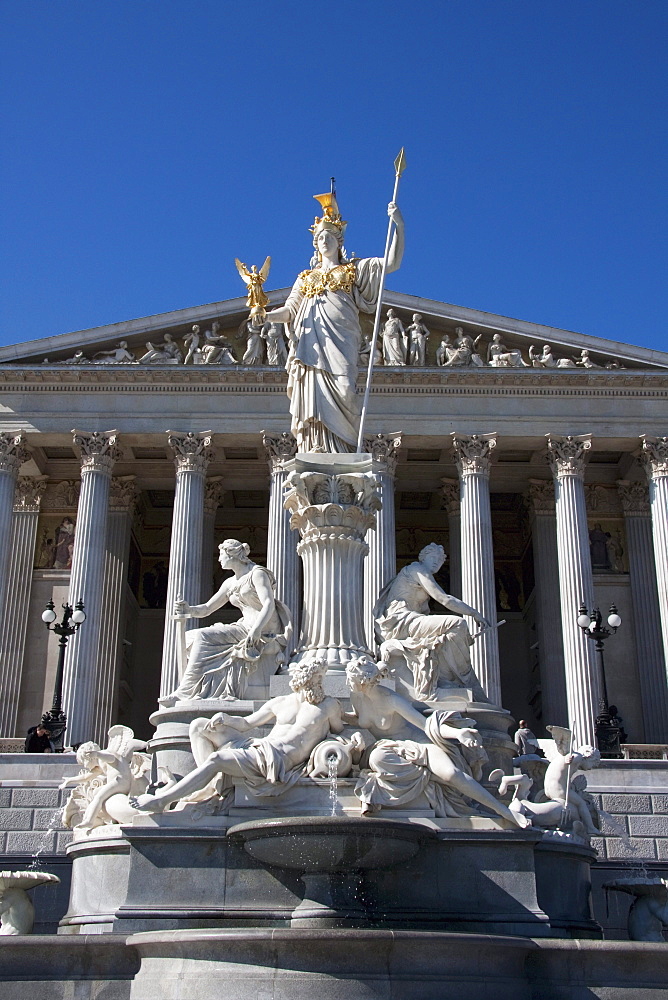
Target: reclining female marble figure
(435,647)
(222,656)
(270,763)
(415,755)
(565,801)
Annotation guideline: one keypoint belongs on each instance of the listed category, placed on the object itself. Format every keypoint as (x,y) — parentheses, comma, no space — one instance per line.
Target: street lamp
(607,732)
(55,719)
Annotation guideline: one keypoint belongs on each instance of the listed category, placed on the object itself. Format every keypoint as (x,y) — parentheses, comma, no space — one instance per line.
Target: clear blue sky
(148,143)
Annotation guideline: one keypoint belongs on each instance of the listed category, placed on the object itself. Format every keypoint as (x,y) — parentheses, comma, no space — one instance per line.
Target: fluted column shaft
(13,453)
(473,457)
(213,495)
(19,575)
(381,564)
(192,454)
(98,451)
(646,615)
(655,460)
(583,686)
(450,492)
(282,557)
(122,501)
(548,600)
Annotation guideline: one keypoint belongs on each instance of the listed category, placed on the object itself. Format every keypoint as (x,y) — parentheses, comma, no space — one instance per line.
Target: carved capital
(213,494)
(280,448)
(29,493)
(384,450)
(341,505)
(566,455)
(13,452)
(98,450)
(451,496)
(634,498)
(654,456)
(123,494)
(541,496)
(192,451)
(473,453)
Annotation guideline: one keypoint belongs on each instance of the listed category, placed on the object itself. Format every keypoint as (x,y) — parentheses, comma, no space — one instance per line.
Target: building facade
(537,457)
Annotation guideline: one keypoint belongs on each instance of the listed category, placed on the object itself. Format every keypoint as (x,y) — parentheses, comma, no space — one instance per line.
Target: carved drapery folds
(567,455)
(332,514)
(192,451)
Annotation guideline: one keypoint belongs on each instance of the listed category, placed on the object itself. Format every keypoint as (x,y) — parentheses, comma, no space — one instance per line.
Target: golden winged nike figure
(254,279)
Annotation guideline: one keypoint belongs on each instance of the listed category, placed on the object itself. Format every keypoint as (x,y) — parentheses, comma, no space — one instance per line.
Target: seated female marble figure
(222,656)
(435,647)
(414,755)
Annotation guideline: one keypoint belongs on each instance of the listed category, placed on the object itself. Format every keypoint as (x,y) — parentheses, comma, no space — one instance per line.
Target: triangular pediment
(87,347)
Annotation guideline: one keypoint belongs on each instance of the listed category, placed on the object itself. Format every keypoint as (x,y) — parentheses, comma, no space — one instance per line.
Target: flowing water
(54,824)
(333,775)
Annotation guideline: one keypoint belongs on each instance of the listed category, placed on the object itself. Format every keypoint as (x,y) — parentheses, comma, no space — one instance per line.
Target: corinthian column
(122,502)
(21,554)
(381,563)
(282,558)
(192,454)
(13,453)
(99,451)
(546,566)
(567,461)
(473,458)
(654,457)
(646,615)
(213,495)
(450,491)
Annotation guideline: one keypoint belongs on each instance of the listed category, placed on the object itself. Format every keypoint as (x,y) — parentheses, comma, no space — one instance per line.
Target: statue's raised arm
(322,312)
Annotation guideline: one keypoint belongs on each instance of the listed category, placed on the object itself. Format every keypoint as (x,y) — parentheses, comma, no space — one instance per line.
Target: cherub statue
(564,801)
(418,335)
(101,791)
(254,279)
(585,361)
(17,913)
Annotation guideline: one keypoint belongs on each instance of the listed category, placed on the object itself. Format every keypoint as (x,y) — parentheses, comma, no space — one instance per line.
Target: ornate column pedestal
(333,500)
(381,564)
(213,495)
(192,454)
(27,499)
(654,457)
(282,558)
(450,491)
(583,685)
(646,615)
(122,501)
(99,450)
(473,458)
(548,600)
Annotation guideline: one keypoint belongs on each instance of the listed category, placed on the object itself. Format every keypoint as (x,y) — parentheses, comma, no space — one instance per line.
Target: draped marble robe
(322,366)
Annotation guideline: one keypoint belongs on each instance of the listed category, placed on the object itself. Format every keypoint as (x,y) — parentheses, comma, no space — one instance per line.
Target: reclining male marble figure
(415,755)
(221,657)
(268,764)
(435,647)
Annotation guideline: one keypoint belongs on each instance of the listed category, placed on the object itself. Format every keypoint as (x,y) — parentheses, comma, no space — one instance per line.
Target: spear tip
(400,163)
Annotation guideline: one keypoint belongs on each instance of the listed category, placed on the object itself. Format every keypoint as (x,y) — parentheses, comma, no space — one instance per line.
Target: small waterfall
(54,824)
(333,775)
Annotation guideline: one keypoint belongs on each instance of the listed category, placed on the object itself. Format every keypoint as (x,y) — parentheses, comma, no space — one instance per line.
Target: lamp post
(607,733)
(55,719)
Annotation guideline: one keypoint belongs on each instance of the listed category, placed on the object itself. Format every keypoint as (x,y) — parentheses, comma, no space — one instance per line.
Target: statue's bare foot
(522,821)
(167,701)
(148,804)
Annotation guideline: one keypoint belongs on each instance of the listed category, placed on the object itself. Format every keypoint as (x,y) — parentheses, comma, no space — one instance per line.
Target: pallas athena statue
(322,319)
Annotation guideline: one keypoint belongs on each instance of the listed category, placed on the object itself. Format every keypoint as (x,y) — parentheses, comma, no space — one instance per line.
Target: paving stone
(631,803)
(36,797)
(638,849)
(27,842)
(648,826)
(15,819)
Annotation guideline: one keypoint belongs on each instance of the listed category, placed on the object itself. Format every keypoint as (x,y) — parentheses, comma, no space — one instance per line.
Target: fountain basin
(331,843)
